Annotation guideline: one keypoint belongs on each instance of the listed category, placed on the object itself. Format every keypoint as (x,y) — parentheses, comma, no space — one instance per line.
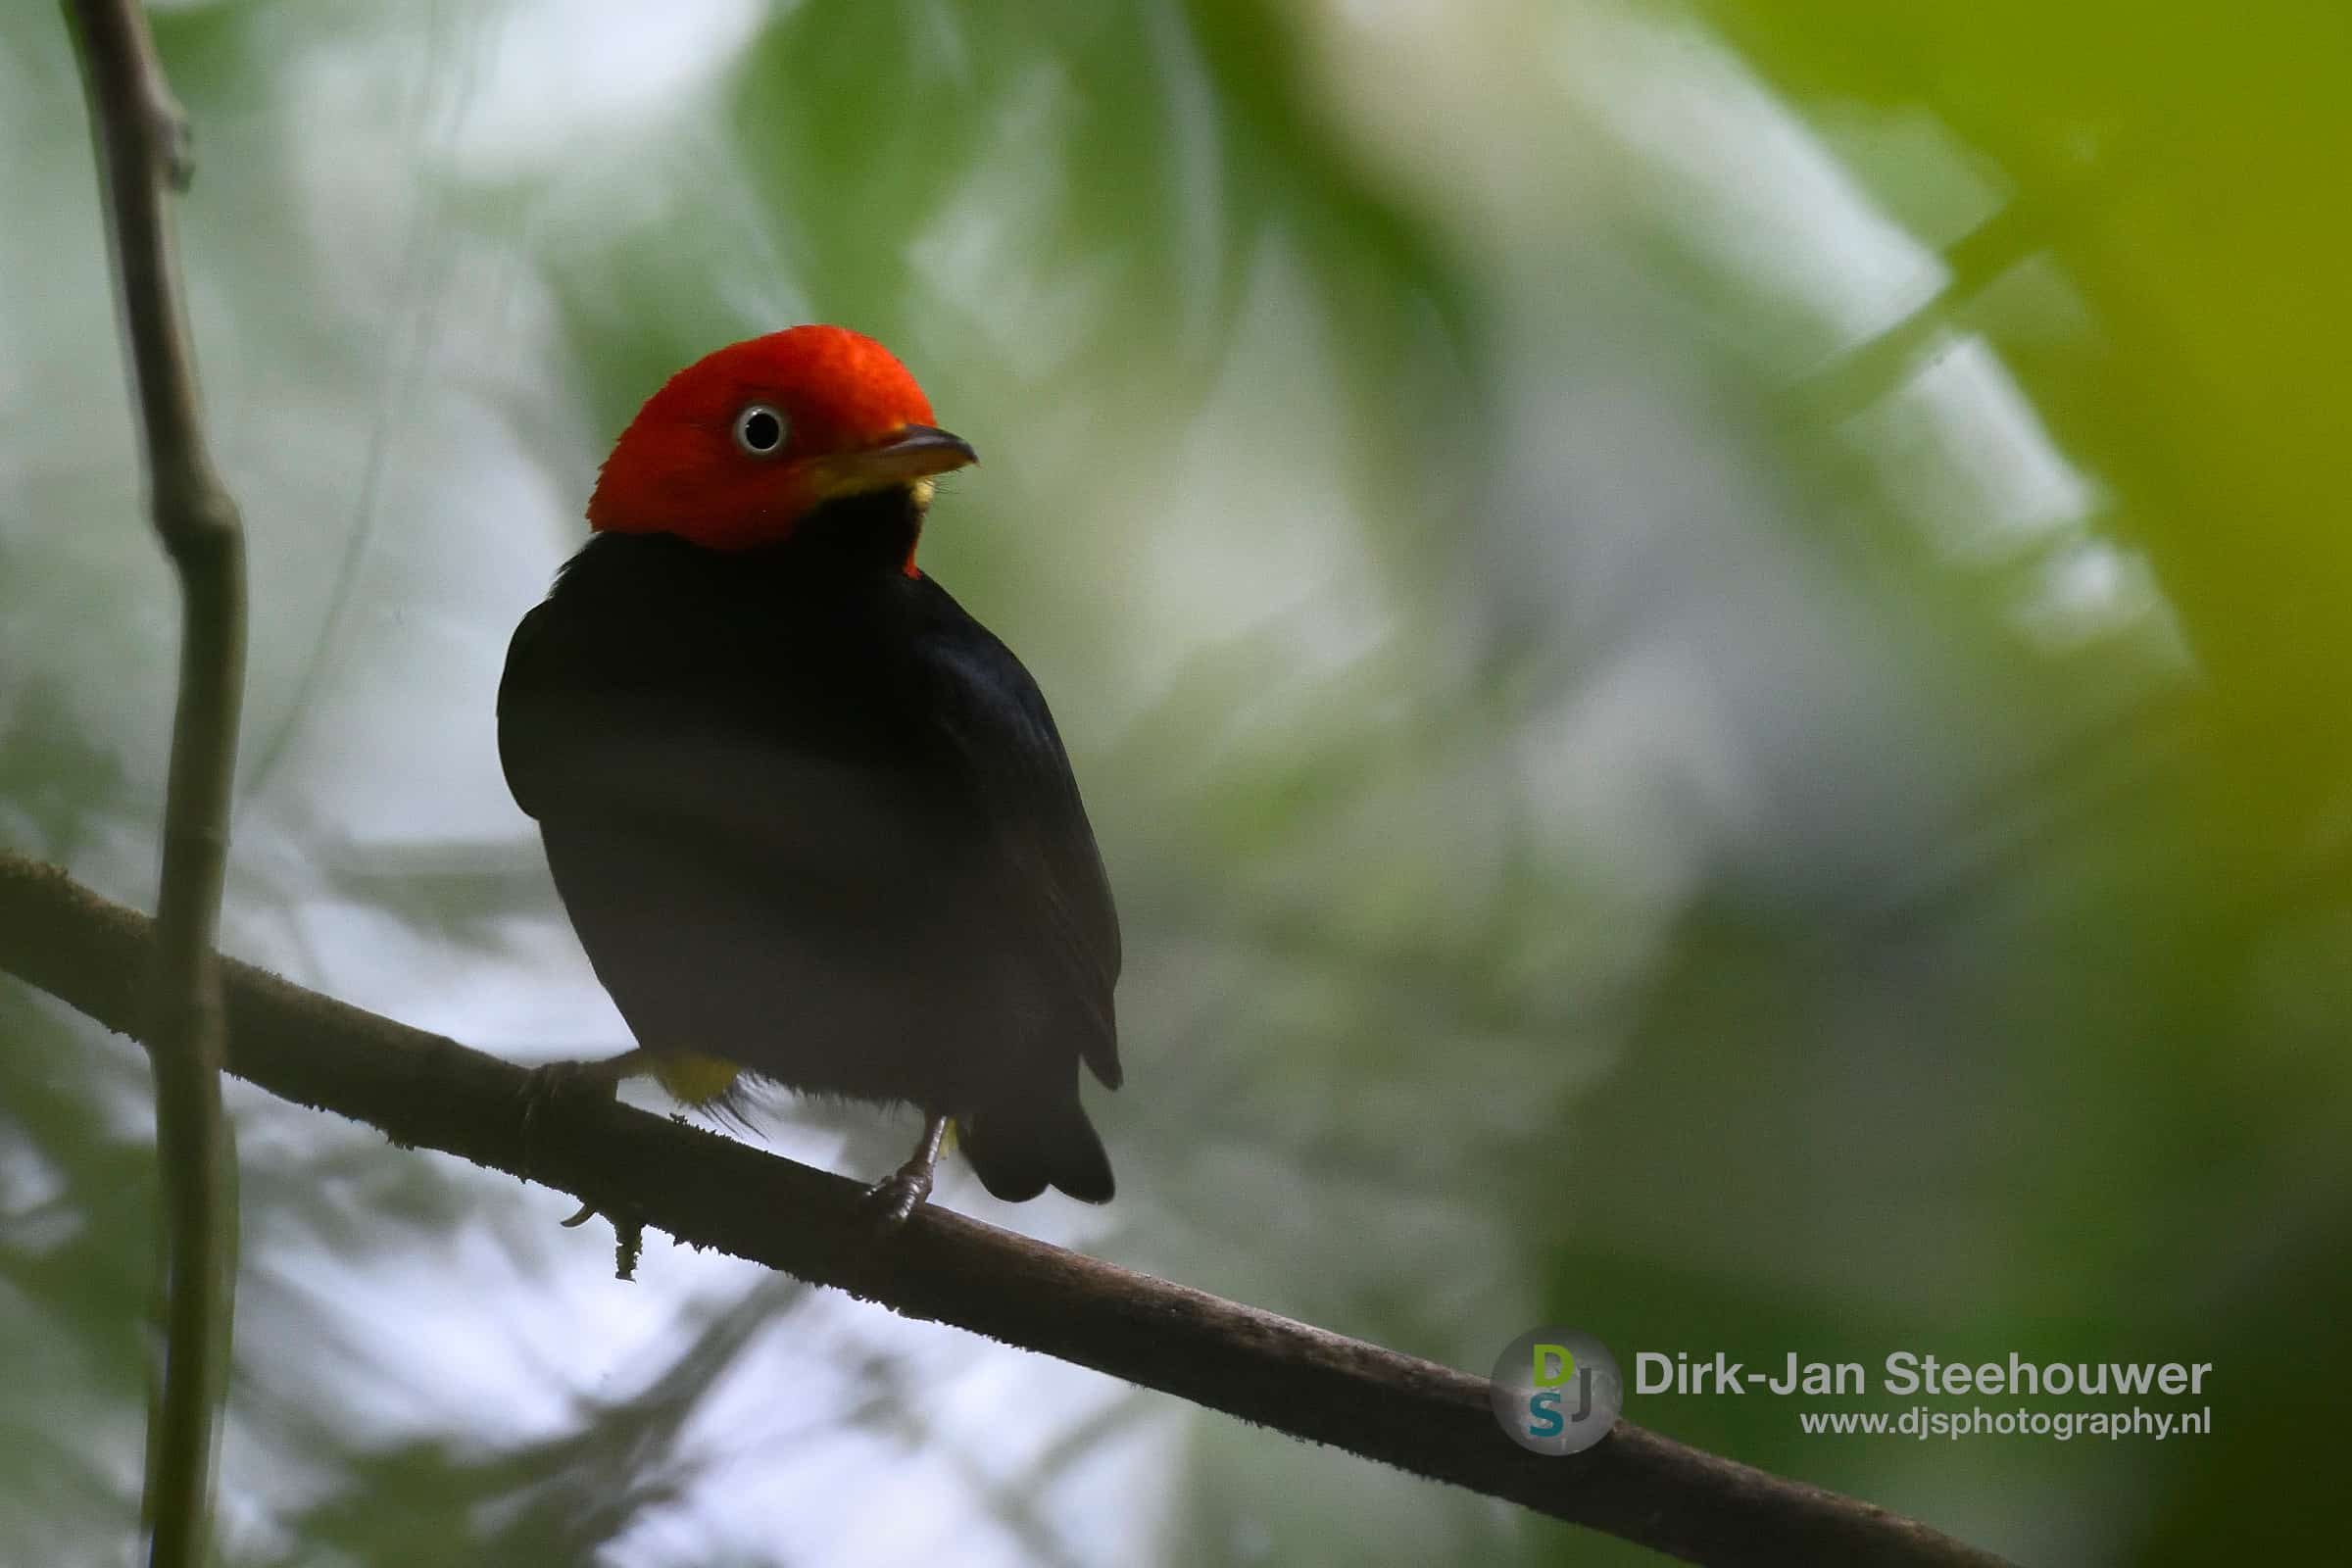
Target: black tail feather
(1019,1150)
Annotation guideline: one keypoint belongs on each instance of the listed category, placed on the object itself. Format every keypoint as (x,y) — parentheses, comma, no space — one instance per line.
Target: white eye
(760,429)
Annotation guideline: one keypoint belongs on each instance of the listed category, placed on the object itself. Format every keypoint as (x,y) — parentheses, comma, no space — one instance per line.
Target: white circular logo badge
(1556,1390)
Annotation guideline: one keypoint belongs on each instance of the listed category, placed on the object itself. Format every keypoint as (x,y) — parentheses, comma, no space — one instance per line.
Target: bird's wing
(522,728)
(585,734)
(1041,845)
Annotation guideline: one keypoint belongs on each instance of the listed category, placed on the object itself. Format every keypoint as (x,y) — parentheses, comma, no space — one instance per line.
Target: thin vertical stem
(142,146)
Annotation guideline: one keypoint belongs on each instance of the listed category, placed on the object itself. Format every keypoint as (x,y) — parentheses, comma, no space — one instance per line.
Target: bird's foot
(561,1080)
(552,1081)
(896,1195)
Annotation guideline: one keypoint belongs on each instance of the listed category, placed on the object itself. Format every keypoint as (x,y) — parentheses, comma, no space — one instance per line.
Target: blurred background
(1709,644)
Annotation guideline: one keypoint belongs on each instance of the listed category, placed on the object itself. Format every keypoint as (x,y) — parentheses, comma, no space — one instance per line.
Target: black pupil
(761,431)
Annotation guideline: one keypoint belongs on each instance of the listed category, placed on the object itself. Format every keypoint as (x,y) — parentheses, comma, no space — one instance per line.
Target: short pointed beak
(917,452)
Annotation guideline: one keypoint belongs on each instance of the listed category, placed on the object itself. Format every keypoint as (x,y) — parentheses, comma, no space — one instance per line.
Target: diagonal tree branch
(143,145)
(424,1091)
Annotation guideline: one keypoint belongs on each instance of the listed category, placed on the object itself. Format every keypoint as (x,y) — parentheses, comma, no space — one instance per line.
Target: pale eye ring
(761,428)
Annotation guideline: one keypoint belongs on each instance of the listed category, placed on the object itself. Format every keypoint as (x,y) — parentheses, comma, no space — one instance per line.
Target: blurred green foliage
(1708,643)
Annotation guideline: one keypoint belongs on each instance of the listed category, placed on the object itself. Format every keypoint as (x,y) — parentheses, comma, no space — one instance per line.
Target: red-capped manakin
(811,819)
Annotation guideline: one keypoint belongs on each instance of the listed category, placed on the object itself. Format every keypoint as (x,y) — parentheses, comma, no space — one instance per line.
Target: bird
(812,821)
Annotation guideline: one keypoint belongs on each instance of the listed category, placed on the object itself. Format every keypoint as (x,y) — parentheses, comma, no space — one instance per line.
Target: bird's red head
(742,444)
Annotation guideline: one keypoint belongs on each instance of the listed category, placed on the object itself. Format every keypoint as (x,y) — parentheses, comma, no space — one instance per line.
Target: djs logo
(1556,1390)
(1555,1365)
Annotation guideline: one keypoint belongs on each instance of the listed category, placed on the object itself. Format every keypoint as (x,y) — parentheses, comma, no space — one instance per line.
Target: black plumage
(811,818)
